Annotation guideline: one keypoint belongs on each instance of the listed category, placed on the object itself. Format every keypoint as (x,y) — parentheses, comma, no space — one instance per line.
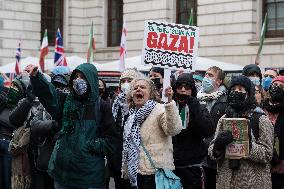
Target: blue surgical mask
(266,82)
(207,85)
(255,80)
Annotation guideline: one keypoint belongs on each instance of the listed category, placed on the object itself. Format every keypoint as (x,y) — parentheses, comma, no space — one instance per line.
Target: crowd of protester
(65,130)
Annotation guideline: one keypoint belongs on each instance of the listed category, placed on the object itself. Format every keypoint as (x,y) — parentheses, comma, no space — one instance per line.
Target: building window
(115,22)
(275,14)
(183,8)
(51,19)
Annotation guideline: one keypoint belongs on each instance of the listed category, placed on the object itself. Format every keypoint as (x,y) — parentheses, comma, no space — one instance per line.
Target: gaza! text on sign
(170,45)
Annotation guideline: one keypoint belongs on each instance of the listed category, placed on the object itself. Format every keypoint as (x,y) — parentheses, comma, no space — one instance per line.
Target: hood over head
(91,74)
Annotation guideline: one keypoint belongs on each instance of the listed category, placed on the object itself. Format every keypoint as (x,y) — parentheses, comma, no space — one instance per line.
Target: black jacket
(189,147)
(116,159)
(279,133)
(6,127)
(218,110)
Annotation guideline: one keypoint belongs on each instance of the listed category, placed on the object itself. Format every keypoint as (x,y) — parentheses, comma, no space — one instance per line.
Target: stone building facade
(229,29)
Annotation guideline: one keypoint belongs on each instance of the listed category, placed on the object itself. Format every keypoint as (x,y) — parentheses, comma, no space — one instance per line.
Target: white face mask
(125,87)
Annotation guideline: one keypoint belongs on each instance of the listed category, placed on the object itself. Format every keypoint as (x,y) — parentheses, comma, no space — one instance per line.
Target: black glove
(223,139)
(30,94)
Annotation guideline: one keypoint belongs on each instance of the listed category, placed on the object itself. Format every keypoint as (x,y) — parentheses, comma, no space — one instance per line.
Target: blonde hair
(154,94)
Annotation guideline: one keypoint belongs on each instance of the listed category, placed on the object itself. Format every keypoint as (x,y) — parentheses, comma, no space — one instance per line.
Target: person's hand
(223,139)
(31,69)
(178,72)
(169,93)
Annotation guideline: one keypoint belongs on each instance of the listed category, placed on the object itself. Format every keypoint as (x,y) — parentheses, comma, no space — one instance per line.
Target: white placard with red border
(170,45)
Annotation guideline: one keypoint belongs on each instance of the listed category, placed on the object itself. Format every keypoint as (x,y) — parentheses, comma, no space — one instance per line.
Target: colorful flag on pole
(190,20)
(7,81)
(261,40)
(122,48)
(18,59)
(91,46)
(59,56)
(43,51)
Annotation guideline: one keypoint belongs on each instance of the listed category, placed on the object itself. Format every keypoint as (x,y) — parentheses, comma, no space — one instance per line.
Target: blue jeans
(60,186)
(5,165)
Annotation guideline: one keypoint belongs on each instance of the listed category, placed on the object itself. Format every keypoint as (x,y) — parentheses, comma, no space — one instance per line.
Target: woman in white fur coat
(152,124)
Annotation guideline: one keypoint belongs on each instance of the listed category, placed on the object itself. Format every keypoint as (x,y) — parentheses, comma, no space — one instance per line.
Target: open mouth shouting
(141,93)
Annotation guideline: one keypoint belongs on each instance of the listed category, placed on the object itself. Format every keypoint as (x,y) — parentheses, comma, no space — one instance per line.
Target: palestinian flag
(91,46)
(261,40)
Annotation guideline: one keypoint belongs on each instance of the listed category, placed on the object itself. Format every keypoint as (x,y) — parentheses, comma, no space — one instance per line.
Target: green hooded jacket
(87,134)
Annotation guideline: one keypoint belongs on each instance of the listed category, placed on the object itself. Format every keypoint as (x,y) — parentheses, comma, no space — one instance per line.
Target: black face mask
(237,100)
(276,93)
(273,108)
(182,98)
(157,83)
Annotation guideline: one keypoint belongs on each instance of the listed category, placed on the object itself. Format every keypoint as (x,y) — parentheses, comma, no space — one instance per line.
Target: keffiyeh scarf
(202,96)
(120,103)
(131,139)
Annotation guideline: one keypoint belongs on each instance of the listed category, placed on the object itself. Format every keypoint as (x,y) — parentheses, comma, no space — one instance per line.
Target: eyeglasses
(185,86)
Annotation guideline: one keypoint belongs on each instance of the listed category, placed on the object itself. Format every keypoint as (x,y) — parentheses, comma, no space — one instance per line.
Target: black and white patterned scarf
(120,103)
(202,96)
(131,139)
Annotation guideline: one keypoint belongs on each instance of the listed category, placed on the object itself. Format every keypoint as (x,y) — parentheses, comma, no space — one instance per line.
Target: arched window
(51,18)
(115,22)
(183,8)
(275,14)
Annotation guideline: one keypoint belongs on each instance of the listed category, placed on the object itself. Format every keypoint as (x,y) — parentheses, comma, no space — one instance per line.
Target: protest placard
(170,45)
(239,148)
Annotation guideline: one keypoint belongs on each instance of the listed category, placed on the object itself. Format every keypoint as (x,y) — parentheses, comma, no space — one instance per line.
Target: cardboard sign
(239,148)
(170,45)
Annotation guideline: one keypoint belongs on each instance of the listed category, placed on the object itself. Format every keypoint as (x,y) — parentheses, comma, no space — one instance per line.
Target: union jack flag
(8,78)
(59,56)
(18,59)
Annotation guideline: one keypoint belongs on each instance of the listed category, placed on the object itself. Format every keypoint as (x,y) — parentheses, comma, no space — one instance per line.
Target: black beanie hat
(158,70)
(251,68)
(243,81)
(186,78)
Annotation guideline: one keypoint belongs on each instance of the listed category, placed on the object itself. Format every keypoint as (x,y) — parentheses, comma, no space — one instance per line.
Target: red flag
(43,51)
(122,49)
(18,59)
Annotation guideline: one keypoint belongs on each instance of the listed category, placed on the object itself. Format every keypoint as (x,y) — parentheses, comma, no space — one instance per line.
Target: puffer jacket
(254,171)
(78,156)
